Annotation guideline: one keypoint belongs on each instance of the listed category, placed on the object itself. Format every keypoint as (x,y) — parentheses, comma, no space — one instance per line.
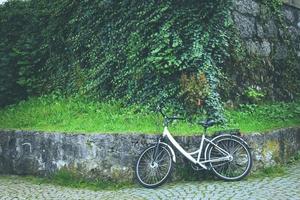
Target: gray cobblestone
(285,187)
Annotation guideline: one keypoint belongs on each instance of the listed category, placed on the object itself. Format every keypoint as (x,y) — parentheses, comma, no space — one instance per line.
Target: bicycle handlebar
(207,123)
(160,110)
(167,118)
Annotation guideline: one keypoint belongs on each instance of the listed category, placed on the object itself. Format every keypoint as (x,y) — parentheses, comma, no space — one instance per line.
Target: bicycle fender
(225,135)
(234,136)
(171,150)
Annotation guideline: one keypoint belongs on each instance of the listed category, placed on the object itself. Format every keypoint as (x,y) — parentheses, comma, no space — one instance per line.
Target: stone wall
(260,31)
(295,3)
(112,156)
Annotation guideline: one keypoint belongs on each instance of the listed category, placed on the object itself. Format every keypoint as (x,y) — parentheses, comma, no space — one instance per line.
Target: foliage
(274,6)
(130,50)
(295,158)
(271,171)
(260,117)
(54,113)
(133,51)
(69,178)
(254,94)
(194,91)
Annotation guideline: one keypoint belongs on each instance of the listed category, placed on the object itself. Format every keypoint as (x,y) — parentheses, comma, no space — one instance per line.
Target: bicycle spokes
(154,166)
(238,163)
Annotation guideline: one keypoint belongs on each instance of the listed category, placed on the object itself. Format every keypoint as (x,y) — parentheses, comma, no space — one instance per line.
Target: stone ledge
(113,156)
(294,3)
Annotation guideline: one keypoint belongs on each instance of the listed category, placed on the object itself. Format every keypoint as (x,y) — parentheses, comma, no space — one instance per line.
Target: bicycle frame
(189,156)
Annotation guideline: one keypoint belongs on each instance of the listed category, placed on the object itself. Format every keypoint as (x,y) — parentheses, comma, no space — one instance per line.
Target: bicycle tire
(227,170)
(147,168)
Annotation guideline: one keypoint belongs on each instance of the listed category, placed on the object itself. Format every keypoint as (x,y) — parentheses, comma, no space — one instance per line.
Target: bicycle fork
(156,150)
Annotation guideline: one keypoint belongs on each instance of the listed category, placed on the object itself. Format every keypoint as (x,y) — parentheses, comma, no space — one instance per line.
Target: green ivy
(130,50)
(133,51)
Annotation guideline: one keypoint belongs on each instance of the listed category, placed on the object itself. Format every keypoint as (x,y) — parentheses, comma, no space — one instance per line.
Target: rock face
(247,7)
(274,147)
(112,156)
(103,155)
(245,24)
(260,32)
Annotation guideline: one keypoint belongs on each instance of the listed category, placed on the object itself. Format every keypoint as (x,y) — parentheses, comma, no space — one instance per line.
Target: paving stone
(285,187)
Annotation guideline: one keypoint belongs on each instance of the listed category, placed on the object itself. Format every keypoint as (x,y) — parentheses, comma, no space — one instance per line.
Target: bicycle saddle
(208,123)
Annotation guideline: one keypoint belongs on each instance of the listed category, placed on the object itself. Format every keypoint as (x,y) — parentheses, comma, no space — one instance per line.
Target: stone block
(289,15)
(294,33)
(267,30)
(281,51)
(245,24)
(260,31)
(259,48)
(298,16)
(271,29)
(247,7)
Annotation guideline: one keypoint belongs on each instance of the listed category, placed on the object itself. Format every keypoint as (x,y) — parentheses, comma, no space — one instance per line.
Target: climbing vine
(132,51)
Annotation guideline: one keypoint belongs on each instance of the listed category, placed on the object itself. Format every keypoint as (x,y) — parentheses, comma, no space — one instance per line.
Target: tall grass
(52,113)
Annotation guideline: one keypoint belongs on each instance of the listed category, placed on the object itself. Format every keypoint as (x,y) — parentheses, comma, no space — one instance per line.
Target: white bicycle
(227,155)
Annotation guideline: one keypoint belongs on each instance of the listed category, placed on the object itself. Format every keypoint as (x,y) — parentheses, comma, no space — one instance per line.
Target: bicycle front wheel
(239,164)
(153,170)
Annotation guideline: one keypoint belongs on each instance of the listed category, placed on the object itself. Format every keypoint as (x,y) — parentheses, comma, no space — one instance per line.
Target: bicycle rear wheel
(240,162)
(152,172)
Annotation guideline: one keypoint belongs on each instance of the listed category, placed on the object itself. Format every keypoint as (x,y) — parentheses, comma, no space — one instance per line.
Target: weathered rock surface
(245,24)
(259,29)
(113,156)
(247,7)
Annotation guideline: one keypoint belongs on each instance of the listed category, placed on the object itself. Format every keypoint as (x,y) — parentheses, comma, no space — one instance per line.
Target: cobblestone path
(285,187)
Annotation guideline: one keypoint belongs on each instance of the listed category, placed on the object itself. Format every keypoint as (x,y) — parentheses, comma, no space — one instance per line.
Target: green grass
(68,178)
(79,115)
(272,171)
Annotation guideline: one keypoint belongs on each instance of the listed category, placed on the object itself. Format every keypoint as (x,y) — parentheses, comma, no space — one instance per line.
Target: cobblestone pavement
(285,187)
